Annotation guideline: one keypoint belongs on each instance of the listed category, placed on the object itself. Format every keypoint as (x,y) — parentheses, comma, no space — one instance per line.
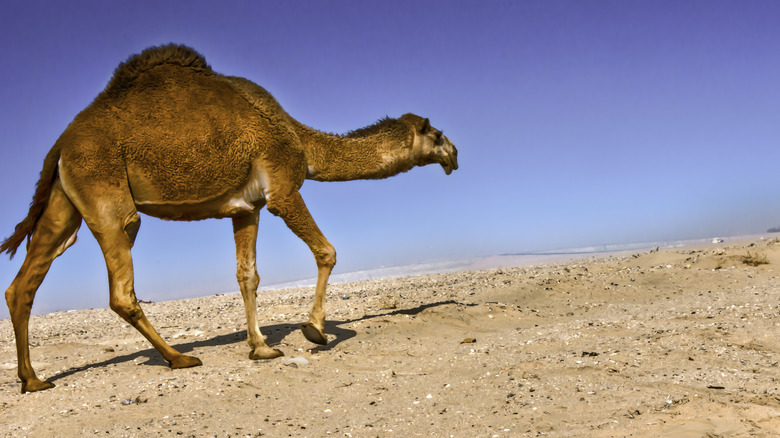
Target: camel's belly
(212,201)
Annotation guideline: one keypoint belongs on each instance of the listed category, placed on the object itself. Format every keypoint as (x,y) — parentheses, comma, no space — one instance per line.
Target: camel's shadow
(273,333)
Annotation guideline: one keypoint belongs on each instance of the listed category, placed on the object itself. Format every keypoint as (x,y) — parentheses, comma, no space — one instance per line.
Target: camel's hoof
(314,333)
(36,385)
(185,361)
(265,352)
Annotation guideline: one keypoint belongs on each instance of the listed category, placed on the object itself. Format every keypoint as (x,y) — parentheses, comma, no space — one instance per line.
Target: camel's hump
(171,54)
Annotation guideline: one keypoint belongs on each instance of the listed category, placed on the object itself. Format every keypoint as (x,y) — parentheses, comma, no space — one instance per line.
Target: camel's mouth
(450,161)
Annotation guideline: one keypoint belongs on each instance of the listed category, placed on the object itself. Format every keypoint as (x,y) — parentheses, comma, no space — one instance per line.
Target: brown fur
(171,138)
(374,152)
(136,65)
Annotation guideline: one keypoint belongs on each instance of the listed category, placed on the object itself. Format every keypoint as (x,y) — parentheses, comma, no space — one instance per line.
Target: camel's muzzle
(450,160)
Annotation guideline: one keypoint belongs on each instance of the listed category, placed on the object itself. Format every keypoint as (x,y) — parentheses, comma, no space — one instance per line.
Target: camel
(171,138)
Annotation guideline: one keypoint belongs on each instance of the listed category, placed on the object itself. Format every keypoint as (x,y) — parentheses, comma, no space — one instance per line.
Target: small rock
(468,341)
(295,361)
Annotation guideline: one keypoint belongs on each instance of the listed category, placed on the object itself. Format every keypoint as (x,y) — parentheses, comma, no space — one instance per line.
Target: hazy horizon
(530,258)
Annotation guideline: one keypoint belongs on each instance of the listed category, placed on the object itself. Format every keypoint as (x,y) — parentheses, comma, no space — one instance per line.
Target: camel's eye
(439,135)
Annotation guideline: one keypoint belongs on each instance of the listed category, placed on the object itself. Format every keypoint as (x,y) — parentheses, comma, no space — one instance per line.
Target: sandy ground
(679,342)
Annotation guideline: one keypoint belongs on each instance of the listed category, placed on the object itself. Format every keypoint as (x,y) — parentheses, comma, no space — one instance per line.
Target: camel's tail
(26,227)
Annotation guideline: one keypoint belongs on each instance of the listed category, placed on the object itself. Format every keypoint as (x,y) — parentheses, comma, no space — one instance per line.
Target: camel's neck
(379,151)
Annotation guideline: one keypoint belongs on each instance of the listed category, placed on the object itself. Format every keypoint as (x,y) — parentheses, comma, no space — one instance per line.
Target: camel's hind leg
(114,223)
(54,232)
(245,233)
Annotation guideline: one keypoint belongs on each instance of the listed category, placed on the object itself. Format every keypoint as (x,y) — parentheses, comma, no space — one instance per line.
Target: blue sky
(577,123)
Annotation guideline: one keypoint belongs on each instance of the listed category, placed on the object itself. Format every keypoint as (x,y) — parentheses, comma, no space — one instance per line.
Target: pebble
(296,361)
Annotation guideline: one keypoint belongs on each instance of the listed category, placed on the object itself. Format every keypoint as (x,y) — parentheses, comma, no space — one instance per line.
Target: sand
(679,342)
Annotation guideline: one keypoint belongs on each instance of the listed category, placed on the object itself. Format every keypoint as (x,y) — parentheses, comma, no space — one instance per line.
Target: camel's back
(185,133)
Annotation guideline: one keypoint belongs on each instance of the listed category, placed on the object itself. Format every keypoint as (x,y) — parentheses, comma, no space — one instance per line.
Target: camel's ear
(426,126)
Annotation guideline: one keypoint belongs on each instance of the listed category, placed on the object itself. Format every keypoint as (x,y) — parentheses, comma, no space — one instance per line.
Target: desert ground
(668,342)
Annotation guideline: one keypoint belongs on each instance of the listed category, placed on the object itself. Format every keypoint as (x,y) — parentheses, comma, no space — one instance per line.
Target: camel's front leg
(295,214)
(245,234)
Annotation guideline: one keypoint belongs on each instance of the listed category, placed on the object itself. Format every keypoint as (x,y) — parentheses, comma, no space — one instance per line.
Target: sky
(577,124)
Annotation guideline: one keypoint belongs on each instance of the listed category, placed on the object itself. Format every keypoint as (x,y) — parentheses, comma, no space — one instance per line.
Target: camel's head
(431,146)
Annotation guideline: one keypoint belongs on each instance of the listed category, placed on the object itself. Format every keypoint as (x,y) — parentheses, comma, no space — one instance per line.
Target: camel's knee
(247,278)
(17,302)
(20,294)
(127,307)
(325,255)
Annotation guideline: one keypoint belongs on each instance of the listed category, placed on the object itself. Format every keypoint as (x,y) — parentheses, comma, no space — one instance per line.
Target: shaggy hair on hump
(173,54)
